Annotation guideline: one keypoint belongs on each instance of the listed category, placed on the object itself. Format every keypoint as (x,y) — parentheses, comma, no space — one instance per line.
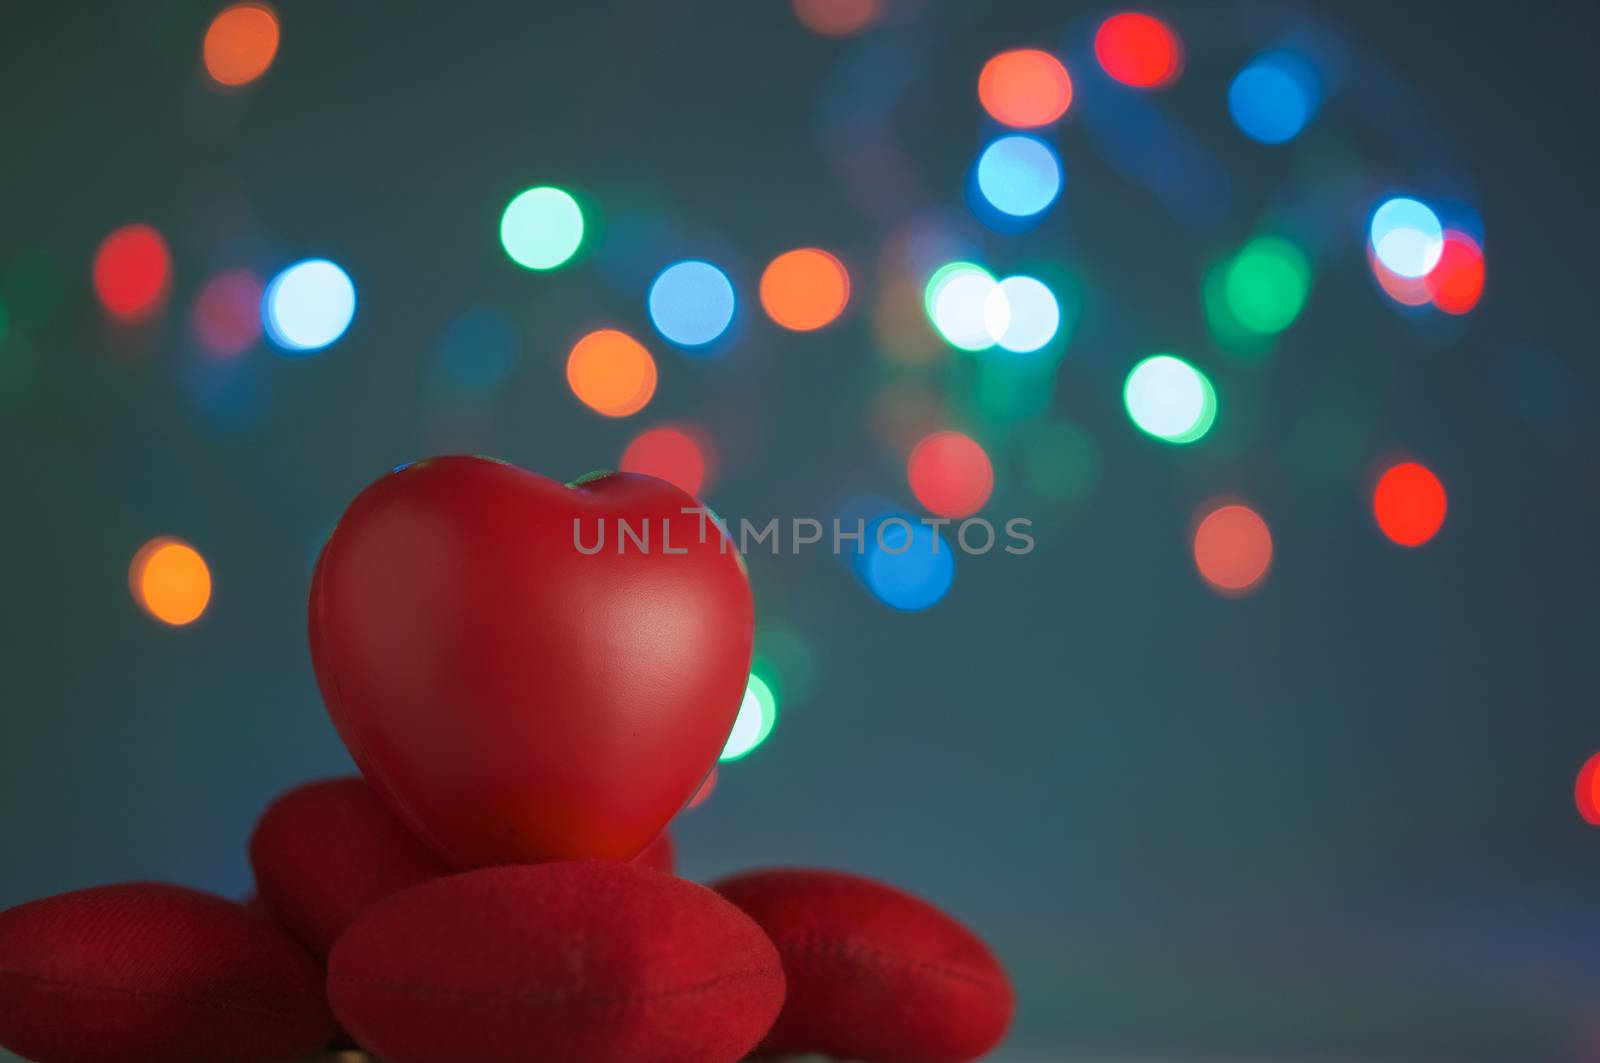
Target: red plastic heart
(513,692)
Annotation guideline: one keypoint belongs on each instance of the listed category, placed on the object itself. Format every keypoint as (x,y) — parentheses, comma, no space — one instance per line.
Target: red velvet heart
(572,962)
(325,852)
(512,696)
(873,972)
(148,973)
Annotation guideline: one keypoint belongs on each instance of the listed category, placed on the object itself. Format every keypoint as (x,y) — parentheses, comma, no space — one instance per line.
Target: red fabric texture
(659,855)
(873,973)
(325,852)
(149,973)
(578,962)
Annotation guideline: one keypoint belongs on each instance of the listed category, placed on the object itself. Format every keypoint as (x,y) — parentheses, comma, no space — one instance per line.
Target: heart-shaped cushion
(143,972)
(325,852)
(575,961)
(873,973)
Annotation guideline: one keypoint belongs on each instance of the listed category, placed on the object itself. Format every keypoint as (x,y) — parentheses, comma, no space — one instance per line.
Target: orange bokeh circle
(170,580)
(240,44)
(805,289)
(1024,88)
(611,373)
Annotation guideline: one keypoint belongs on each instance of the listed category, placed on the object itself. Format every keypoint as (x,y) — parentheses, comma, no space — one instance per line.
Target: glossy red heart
(512,693)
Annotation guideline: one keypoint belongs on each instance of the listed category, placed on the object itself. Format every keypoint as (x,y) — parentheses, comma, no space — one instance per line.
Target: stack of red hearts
(536,716)
(581,961)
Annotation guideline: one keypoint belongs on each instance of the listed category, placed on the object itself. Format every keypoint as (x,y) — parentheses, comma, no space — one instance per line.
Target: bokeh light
(1233,549)
(906,564)
(1586,792)
(950,473)
(1266,285)
(1170,399)
(170,581)
(308,306)
(1021,314)
(691,303)
(132,272)
(36,284)
(232,395)
(805,289)
(1409,504)
(478,350)
(957,301)
(1024,87)
(1407,291)
(1062,462)
(226,315)
(541,228)
(1138,50)
(1008,391)
(837,18)
(1456,281)
(678,454)
(782,657)
(1406,236)
(758,713)
(240,44)
(1226,329)
(1274,97)
(1453,283)
(1019,175)
(611,373)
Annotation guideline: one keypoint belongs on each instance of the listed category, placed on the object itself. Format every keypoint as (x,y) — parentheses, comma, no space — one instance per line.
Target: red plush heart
(147,973)
(576,961)
(873,973)
(325,852)
(510,695)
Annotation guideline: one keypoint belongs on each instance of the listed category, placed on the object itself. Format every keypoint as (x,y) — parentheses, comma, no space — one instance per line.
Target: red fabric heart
(511,697)
(325,852)
(873,973)
(148,973)
(576,961)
